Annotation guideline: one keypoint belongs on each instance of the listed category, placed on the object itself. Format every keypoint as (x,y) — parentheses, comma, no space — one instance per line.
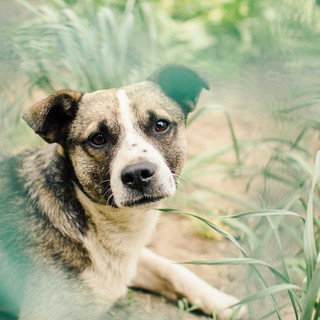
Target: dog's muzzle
(140,181)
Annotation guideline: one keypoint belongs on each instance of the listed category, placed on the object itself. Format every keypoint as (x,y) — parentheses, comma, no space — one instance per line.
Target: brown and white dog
(76,215)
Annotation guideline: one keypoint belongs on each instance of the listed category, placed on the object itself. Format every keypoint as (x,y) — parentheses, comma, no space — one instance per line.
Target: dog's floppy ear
(50,117)
(181,84)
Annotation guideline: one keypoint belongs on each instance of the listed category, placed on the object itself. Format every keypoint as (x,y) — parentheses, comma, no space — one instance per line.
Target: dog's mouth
(142,201)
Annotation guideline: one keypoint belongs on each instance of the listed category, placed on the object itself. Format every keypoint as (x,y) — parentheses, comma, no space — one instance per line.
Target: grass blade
(268,291)
(311,295)
(266,213)
(239,261)
(310,251)
(234,139)
(274,227)
(226,234)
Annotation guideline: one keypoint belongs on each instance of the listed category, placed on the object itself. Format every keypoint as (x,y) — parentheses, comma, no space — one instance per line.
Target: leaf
(235,143)
(266,213)
(266,292)
(309,244)
(311,295)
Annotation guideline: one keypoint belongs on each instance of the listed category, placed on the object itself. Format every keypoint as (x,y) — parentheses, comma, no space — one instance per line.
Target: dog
(77,213)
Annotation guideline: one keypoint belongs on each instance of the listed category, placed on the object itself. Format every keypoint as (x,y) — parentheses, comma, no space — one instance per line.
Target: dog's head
(126,146)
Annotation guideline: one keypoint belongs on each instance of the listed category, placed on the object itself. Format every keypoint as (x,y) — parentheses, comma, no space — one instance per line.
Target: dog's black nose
(138,176)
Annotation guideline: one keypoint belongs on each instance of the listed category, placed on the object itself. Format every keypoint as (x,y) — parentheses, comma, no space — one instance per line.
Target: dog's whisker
(110,195)
(103,196)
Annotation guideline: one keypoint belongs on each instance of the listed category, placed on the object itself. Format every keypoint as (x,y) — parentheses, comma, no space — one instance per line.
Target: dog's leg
(158,274)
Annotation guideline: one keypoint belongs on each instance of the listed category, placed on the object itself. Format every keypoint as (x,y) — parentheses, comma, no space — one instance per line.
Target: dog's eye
(161,126)
(98,139)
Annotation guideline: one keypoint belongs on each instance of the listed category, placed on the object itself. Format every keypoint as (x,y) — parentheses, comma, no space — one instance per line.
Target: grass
(64,40)
(290,168)
(303,297)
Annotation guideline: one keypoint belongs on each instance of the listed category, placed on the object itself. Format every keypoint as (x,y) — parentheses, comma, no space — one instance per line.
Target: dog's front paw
(221,304)
(237,312)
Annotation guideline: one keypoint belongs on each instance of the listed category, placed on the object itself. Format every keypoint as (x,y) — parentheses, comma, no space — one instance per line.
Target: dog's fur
(76,214)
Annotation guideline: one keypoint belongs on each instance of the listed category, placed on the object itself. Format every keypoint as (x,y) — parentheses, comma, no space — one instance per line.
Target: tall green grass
(304,297)
(87,46)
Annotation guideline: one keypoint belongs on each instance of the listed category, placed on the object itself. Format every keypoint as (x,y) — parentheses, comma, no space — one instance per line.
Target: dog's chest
(114,246)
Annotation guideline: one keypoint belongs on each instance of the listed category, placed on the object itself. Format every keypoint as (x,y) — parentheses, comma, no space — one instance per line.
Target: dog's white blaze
(125,115)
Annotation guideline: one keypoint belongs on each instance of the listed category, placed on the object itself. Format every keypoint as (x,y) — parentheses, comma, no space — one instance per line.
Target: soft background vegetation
(262,59)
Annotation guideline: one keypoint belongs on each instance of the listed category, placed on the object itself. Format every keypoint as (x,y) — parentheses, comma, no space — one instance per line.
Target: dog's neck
(133,225)
(114,240)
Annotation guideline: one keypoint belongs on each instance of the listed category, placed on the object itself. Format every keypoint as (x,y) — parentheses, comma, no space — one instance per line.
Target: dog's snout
(138,176)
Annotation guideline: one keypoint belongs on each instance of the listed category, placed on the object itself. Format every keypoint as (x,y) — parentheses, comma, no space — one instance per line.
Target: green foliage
(123,40)
(239,31)
(304,298)
(289,167)
(86,47)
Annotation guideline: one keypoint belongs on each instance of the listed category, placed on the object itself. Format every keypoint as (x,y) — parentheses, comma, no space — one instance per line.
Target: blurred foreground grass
(262,58)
